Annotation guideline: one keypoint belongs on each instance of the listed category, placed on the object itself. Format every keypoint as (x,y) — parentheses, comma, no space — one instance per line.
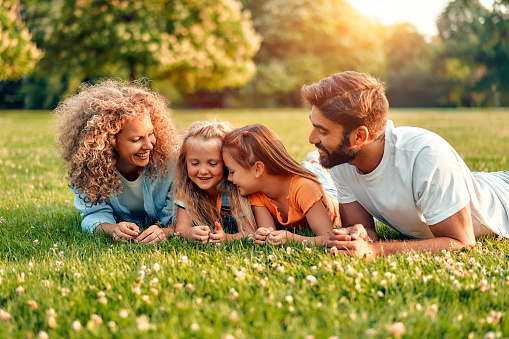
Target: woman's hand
(199,233)
(153,234)
(124,229)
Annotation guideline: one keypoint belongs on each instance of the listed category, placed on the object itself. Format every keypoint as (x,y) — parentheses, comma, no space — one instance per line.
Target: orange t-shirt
(303,194)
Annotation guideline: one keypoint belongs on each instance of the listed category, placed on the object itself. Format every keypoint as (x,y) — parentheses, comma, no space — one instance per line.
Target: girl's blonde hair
(257,142)
(88,124)
(200,208)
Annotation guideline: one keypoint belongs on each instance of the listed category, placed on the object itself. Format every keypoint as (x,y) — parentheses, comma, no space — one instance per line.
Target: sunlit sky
(421,14)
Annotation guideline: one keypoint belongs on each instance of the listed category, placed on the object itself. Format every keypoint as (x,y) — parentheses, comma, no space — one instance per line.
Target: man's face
(331,140)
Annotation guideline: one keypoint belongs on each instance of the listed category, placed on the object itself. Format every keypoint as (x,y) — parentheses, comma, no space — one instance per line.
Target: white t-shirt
(422,181)
(133,195)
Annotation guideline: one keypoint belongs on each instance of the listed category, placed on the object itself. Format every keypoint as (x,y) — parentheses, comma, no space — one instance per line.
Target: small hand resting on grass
(271,236)
(202,234)
(129,231)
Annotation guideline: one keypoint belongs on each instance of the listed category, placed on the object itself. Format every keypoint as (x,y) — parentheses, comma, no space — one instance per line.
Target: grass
(53,277)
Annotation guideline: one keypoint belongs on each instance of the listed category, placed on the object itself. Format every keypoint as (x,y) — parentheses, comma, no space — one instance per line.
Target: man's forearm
(433,245)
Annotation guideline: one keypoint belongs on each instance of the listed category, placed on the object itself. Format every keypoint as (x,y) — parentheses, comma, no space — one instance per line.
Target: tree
(306,40)
(196,43)
(476,51)
(18,54)
(409,67)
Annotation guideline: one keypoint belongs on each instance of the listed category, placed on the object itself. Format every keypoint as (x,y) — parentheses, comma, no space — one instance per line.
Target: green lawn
(58,281)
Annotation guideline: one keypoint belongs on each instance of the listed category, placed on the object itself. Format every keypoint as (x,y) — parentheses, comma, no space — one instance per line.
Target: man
(408,178)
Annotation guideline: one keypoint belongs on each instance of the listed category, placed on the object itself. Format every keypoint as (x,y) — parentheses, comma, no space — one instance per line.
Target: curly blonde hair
(199,207)
(88,123)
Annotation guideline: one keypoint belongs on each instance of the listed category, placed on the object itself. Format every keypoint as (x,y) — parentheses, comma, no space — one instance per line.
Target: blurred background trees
(248,53)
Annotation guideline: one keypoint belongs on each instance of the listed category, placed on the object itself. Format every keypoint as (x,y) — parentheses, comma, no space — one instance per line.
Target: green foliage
(196,44)
(409,68)
(75,285)
(18,55)
(307,40)
(476,52)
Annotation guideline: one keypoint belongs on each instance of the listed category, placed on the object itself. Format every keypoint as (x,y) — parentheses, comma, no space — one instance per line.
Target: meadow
(56,281)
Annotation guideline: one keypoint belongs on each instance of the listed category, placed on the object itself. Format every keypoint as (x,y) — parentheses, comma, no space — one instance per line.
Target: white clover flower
(311,279)
(397,329)
(234,316)
(76,325)
(5,316)
(143,324)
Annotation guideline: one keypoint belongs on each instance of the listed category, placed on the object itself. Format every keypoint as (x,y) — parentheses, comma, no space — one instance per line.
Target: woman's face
(134,144)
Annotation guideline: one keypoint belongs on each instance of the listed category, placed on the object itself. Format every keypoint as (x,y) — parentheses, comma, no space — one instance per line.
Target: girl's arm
(319,221)
(185,227)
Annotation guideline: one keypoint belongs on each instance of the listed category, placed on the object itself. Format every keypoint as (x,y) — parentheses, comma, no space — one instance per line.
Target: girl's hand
(261,235)
(199,233)
(124,229)
(277,237)
(152,235)
(219,235)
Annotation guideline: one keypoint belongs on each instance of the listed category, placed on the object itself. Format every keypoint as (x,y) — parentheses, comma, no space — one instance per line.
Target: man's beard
(341,155)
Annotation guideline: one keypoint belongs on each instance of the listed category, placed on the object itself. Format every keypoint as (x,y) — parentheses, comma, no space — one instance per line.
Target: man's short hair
(350,99)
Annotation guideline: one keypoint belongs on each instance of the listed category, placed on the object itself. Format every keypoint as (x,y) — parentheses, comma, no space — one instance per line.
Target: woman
(121,144)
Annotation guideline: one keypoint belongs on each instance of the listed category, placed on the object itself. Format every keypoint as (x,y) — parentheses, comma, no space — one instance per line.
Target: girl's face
(205,165)
(241,177)
(134,144)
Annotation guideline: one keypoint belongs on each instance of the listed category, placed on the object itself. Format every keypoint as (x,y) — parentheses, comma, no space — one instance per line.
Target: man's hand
(354,232)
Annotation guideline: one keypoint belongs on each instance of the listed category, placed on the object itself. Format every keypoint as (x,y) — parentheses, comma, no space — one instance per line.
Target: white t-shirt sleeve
(345,196)
(439,187)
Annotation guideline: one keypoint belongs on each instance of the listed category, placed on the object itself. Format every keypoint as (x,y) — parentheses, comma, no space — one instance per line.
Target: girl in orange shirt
(208,204)
(283,193)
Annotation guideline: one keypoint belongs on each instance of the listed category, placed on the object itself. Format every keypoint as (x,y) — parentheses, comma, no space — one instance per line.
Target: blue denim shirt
(158,204)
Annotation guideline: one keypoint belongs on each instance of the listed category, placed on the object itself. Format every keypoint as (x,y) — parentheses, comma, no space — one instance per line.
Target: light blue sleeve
(169,211)
(94,215)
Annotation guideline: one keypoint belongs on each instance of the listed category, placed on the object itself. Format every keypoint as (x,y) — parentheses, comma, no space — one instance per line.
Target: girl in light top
(283,193)
(208,204)
(120,144)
